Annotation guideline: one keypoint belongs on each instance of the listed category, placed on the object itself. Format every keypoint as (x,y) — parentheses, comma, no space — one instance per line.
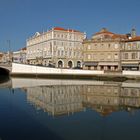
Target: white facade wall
(54,45)
(19,56)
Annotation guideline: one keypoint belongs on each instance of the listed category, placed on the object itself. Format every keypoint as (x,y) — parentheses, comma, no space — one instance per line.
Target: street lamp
(10,53)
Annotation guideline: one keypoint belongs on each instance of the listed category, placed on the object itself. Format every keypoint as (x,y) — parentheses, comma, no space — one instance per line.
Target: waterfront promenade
(24,70)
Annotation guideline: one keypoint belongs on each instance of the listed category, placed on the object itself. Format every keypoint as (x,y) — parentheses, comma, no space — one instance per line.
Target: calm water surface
(36,109)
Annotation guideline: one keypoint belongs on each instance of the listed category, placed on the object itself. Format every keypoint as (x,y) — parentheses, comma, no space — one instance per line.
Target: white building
(1,55)
(6,57)
(57,47)
(20,56)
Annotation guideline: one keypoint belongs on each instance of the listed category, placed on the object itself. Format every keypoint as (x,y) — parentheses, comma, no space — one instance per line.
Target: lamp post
(10,53)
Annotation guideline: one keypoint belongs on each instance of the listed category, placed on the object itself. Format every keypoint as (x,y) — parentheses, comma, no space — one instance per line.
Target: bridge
(5,68)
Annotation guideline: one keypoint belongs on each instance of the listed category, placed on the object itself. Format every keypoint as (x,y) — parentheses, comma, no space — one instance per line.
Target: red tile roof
(1,55)
(104,31)
(23,48)
(137,38)
(119,36)
(62,29)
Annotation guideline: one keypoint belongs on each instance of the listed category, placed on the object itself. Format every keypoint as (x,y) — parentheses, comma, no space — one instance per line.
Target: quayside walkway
(25,70)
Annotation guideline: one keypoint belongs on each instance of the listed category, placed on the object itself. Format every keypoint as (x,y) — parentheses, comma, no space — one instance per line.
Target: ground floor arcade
(58,63)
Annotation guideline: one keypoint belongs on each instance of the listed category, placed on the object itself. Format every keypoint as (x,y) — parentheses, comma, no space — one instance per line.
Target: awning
(108,63)
(90,63)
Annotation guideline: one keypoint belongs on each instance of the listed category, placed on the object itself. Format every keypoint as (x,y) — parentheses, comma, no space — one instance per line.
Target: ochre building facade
(102,51)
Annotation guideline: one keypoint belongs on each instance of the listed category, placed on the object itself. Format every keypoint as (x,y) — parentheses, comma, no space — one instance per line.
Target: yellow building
(102,51)
(1,55)
(130,52)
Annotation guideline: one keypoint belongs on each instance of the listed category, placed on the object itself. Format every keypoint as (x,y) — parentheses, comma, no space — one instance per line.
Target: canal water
(39,109)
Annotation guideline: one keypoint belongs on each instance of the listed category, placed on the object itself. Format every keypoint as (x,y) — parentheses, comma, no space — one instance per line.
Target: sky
(20,19)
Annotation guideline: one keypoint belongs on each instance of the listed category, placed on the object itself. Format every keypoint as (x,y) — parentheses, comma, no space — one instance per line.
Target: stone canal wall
(30,69)
(131,73)
(23,70)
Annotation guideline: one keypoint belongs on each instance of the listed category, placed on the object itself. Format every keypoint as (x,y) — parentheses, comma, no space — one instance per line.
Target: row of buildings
(111,51)
(5,57)
(17,56)
(67,48)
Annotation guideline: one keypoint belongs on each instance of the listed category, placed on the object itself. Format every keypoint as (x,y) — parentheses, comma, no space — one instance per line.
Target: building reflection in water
(68,99)
(57,100)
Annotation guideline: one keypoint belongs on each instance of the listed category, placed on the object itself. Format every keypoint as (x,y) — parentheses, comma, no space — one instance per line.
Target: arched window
(78,64)
(60,64)
(70,64)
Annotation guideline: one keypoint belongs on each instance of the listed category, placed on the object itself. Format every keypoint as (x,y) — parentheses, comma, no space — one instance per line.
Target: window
(116,46)
(54,42)
(134,46)
(102,56)
(109,56)
(139,46)
(62,43)
(133,55)
(89,56)
(89,47)
(62,52)
(126,56)
(58,52)
(79,55)
(116,56)
(70,53)
(94,56)
(129,47)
